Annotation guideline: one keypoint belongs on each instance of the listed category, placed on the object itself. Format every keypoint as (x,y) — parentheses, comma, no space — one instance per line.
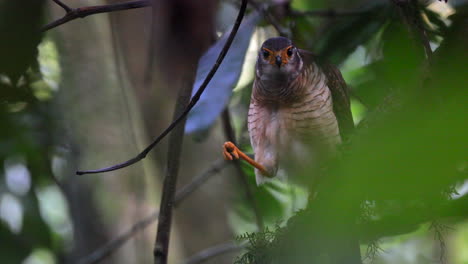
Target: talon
(225,155)
(230,151)
(229,146)
(235,153)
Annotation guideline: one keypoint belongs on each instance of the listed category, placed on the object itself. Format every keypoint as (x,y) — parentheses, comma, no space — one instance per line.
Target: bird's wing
(339,91)
(341,102)
(253,116)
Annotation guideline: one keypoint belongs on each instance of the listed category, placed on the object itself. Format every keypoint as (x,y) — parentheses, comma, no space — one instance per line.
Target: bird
(299,110)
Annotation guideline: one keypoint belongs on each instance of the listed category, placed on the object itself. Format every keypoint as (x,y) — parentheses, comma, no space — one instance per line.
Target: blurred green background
(84,96)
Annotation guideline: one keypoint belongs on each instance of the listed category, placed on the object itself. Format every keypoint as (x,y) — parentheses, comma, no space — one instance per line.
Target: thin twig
(81,12)
(62,5)
(214,251)
(163,235)
(230,136)
(439,230)
(327,13)
(106,250)
(189,107)
(419,27)
(184,84)
(372,251)
(409,10)
(263,9)
(188,189)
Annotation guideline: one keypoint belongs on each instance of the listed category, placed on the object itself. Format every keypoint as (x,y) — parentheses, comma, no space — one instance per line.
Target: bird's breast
(297,130)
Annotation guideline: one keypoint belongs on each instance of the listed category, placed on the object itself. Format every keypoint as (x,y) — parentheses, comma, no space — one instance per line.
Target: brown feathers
(297,109)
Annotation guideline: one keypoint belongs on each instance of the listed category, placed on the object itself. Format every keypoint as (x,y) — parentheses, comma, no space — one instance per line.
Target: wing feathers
(339,91)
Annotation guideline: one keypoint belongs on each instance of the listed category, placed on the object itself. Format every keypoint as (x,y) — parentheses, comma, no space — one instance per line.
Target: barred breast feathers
(299,112)
(305,104)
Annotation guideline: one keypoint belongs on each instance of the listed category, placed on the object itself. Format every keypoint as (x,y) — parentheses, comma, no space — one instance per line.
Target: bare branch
(211,252)
(106,250)
(189,107)
(327,13)
(188,189)
(373,249)
(62,5)
(263,9)
(161,247)
(439,232)
(409,11)
(230,136)
(163,234)
(81,12)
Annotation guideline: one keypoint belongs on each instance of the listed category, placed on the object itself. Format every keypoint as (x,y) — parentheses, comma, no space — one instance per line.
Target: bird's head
(278,59)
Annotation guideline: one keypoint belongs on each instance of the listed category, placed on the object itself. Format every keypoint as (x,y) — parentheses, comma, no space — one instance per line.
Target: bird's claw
(230,151)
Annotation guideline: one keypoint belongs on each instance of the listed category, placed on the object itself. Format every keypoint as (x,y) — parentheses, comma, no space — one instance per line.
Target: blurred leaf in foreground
(20,23)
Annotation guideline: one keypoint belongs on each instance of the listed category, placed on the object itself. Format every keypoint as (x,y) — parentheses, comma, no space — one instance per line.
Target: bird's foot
(231,152)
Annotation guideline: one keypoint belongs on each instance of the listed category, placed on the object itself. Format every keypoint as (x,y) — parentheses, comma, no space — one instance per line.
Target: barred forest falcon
(299,110)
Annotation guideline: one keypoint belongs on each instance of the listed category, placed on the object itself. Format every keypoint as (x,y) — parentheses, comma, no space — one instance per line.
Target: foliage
(25,134)
(19,24)
(259,248)
(404,160)
(218,92)
(400,171)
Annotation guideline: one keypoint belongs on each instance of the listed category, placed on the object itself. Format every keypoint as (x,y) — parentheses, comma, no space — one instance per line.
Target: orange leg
(231,151)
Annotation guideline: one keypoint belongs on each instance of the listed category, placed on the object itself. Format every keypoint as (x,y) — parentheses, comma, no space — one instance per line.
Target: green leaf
(20,23)
(34,228)
(345,34)
(13,249)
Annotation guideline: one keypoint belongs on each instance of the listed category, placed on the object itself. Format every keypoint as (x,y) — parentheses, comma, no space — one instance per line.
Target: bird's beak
(278,61)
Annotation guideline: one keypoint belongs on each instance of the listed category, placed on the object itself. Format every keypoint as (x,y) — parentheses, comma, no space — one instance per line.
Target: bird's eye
(289,52)
(266,54)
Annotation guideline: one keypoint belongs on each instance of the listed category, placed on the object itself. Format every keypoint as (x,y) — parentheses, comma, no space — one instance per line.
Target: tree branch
(214,251)
(106,250)
(189,107)
(327,13)
(62,5)
(188,189)
(230,136)
(263,9)
(81,12)
(161,246)
(187,76)
(409,11)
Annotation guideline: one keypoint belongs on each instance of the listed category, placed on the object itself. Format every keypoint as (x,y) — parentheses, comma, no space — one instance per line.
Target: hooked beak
(278,61)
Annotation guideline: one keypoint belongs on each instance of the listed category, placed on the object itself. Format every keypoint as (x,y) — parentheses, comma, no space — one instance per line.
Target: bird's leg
(231,151)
